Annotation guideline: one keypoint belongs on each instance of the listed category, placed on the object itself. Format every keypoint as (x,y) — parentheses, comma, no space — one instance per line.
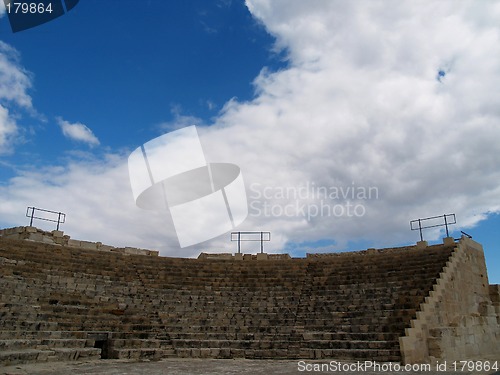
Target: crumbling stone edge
(57,237)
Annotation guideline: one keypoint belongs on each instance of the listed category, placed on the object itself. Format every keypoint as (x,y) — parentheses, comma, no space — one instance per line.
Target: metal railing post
(239,242)
(446,225)
(32,214)
(261,243)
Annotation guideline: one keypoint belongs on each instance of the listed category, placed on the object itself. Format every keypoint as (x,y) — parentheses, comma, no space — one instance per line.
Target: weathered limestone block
(35,236)
(448,241)
(105,247)
(60,240)
(422,244)
(57,233)
(279,256)
(88,245)
(226,256)
(74,243)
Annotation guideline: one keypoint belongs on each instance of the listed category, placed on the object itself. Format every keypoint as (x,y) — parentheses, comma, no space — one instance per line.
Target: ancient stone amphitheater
(63,299)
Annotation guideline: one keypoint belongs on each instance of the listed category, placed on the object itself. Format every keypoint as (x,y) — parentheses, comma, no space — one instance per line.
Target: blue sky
(330,94)
(161,60)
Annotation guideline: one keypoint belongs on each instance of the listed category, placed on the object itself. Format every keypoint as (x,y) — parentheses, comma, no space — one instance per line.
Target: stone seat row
(381,355)
(272,342)
(80,339)
(303,335)
(15,344)
(44,334)
(328,280)
(333,285)
(402,306)
(48,355)
(116,258)
(315,302)
(398,301)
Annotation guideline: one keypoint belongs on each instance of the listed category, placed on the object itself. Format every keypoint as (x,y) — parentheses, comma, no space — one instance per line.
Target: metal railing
(251,236)
(432,222)
(466,234)
(61,217)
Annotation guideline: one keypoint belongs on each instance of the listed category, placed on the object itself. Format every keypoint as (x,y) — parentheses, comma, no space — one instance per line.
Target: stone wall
(57,237)
(495,299)
(460,317)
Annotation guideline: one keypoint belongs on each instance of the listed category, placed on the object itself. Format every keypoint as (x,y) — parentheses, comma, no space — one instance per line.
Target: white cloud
(360,103)
(95,195)
(14,80)
(8,129)
(179,120)
(14,84)
(358,106)
(78,132)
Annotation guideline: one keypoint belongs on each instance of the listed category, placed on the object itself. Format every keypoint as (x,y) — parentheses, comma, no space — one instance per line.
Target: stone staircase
(61,303)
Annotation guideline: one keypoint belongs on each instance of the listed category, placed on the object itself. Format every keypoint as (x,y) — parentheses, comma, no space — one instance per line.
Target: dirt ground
(178,366)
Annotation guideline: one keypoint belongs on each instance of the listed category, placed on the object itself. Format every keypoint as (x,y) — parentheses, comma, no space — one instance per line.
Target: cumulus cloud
(78,132)
(359,107)
(15,82)
(95,195)
(8,129)
(179,120)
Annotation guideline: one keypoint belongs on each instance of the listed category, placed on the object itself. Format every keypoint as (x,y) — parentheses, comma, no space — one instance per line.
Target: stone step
(281,329)
(392,328)
(274,343)
(142,353)
(378,355)
(17,344)
(351,336)
(237,344)
(352,344)
(40,335)
(148,343)
(13,324)
(45,355)
(224,336)
(14,344)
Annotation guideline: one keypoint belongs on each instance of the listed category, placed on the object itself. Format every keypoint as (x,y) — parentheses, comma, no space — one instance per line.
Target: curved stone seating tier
(62,303)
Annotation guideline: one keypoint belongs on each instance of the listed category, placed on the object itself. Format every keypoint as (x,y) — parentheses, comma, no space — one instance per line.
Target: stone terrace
(61,303)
